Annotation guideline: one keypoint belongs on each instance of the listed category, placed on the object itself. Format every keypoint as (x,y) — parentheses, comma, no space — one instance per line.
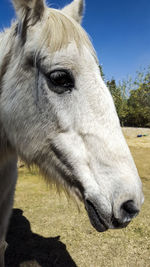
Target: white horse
(57,113)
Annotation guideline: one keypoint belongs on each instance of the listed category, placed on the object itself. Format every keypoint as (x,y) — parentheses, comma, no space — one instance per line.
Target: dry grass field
(48,230)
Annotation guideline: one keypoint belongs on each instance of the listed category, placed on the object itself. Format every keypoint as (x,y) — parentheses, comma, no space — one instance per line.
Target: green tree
(120,100)
(132,99)
(101,72)
(139,106)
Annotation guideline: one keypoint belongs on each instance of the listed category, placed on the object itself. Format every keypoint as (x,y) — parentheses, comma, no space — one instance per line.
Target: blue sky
(120,32)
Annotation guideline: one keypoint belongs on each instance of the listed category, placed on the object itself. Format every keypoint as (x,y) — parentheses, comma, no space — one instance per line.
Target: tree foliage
(132,99)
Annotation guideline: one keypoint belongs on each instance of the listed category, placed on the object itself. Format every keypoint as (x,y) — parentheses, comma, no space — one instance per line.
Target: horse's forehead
(69,52)
(57,32)
(71,57)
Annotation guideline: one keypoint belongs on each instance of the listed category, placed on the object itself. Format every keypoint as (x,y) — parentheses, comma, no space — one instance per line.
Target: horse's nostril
(129,209)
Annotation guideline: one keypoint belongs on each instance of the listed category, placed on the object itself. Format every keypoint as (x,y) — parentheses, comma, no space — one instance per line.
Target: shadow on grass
(26,246)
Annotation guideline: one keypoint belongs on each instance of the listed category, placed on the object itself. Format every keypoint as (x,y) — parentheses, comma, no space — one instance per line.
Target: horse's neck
(6,151)
(6,40)
(6,50)
(8,155)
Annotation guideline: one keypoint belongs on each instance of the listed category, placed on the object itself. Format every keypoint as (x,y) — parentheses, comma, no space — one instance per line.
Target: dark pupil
(62,79)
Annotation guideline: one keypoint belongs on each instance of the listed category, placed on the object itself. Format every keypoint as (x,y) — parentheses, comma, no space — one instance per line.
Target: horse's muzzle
(128,211)
(96,219)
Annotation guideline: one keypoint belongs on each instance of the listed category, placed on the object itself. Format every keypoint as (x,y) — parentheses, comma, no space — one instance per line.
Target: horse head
(59,115)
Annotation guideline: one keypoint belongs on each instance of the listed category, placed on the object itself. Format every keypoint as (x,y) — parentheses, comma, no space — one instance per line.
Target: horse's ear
(31,9)
(28,13)
(75,10)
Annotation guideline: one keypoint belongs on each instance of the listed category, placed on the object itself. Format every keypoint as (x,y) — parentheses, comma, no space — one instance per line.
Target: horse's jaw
(111,192)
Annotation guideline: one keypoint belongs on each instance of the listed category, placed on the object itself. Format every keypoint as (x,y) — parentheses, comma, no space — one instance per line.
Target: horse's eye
(62,80)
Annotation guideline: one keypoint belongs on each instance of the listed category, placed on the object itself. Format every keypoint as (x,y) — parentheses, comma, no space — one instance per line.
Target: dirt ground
(48,230)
